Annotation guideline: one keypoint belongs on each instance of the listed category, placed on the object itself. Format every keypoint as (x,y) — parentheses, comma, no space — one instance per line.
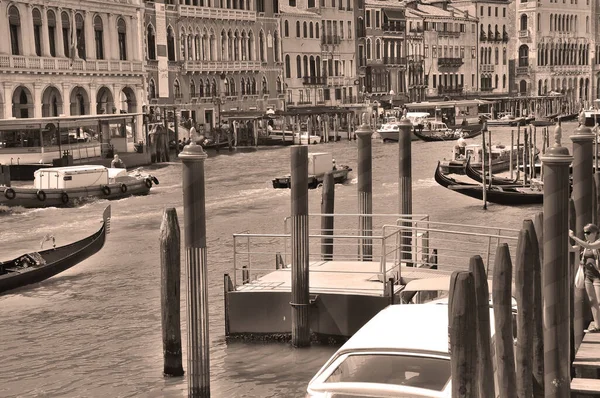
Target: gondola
(434,137)
(476,175)
(499,195)
(35,267)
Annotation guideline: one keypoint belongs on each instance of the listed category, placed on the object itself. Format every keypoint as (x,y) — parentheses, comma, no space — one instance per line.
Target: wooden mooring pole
(327,222)
(194,211)
(525,314)
(503,320)
(555,273)
(485,370)
(170,276)
(300,254)
(365,189)
(583,148)
(405,185)
(462,326)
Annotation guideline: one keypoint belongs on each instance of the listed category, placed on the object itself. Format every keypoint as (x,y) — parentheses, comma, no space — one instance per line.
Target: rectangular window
(338,93)
(326,95)
(289,97)
(99,45)
(341,29)
(368,18)
(473,53)
(426,51)
(462,79)
(351,74)
(473,80)
(473,28)
(427,80)
(481,11)
(14,39)
(333,3)
(51,38)
(377,17)
(489,11)
(496,12)
(462,28)
(349,29)
(434,81)
(503,12)
(37,38)
(462,52)
(433,52)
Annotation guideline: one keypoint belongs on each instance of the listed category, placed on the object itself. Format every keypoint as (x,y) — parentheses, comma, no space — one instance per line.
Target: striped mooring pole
(300,272)
(555,273)
(365,189)
(583,180)
(405,185)
(194,213)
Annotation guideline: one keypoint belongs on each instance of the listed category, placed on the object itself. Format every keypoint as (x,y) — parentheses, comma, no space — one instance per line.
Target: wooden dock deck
(351,277)
(587,368)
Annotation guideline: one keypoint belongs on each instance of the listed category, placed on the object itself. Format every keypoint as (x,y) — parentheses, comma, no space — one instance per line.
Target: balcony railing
(220,66)
(52,65)
(216,13)
(388,27)
(448,34)
(394,61)
(314,80)
(524,34)
(416,30)
(486,68)
(522,70)
(330,39)
(450,90)
(451,62)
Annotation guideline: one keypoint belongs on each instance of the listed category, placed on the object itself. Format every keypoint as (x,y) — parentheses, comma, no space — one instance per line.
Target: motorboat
(389,132)
(506,119)
(66,186)
(304,138)
(439,131)
(501,156)
(318,165)
(34,267)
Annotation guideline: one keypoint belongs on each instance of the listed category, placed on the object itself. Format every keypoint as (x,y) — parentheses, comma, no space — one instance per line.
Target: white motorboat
(305,138)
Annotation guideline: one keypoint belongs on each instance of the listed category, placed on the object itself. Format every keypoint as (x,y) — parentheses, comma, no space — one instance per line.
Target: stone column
(27,36)
(90,37)
(7,100)
(4,28)
(93,90)
(60,50)
(66,96)
(111,44)
(45,36)
(37,100)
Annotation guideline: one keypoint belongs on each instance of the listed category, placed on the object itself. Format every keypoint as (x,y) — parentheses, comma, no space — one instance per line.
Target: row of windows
(564,86)
(321,95)
(208,87)
(486,56)
(489,12)
(229,4)
(563,54)
(308,30)
(486,82)
(47,40)
(313,67)
(391,48)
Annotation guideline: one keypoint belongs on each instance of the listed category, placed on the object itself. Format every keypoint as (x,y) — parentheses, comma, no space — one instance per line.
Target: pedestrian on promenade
(117,163)
(589,262)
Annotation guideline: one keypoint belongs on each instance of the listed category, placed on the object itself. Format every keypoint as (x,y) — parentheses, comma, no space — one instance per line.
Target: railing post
(300,254)
(194,211)
(555,276)
(583,147)
(365,189)
(405,185)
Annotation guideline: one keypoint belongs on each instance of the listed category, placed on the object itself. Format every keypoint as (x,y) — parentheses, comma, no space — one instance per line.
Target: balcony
(522,70)
(216,13)
(400,61)
(314,80)
(56,65)
(450,90)
(220,66)
(450,62)
(448,34)
(397,28)
(336,81)
(486,68)
(330,39)
(524,34)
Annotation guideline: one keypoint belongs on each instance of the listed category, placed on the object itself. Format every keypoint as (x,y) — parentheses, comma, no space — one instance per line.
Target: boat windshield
(430,373)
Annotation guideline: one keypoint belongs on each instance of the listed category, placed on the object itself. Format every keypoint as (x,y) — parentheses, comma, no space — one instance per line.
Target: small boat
(277,138)
(500,158)
(209,143)
(448,135)
(305,139)
(63,186)
(35,267)
(318,165)
(506,119)
(477,176)
(509,196)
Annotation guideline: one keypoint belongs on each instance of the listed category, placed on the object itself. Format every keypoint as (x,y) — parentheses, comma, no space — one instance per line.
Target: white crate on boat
(319,163)
(70,177)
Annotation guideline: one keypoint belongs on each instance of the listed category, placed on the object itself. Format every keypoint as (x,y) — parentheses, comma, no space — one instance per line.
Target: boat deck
(587,368)
(349,277)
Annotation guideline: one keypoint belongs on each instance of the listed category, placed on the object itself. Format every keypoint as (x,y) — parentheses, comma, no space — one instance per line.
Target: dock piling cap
(192,152)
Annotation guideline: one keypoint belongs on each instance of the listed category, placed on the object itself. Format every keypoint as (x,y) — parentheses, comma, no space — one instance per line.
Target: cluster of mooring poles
(550,310)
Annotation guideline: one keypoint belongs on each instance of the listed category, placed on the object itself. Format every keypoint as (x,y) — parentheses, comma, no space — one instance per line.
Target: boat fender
(123,188)
(106,190)
(64,197)
(41,195)
(10,193)
(155,180)
(148,182)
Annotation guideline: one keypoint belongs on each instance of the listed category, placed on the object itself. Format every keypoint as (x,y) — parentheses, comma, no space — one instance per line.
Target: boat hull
(392,136)
(31,197)
(339,177)
(432,138)
(57,260)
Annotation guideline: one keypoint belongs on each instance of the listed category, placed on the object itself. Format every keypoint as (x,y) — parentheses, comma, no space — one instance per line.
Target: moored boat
(64,186)
(500,158)
(389,132)
(477,176)
(35,267)
(447,135)
(318,165)
(507,119)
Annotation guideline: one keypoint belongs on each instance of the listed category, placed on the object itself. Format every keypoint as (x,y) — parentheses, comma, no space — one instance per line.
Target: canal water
(95,330)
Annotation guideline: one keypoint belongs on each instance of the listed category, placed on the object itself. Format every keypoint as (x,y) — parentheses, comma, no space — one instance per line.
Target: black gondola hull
(339,177)
(432,138)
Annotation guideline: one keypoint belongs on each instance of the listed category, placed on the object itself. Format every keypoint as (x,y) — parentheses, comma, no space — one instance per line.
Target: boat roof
(414,327)
(417,114)
(445,104)
(64,121)
(79,168)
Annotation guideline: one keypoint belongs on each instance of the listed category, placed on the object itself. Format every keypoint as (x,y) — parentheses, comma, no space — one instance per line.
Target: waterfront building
(415,47)
(450,48)
(382,52)
(71,58)
(207,58)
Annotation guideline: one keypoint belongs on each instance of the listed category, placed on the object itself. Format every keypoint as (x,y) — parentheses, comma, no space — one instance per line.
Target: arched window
(276,47)
(232,86)
(377,49)
(278,85)
(317,30)
(151,39)
(170,44)
(286,29)
(201,88)
(539,22)
(177,89)
(298,66)
(66,32)
(227,92)
(304,30)
(80,34)
(261,45)
(523,55)
(99,37)
(496,82)
(288,73)
(151,89)
(243,86)
(504,81)
(254,86)
(52,32)
(496,55)
(192,88)
(368,48)
(213,88)
(122,36)
(310,30)
(523,22)
(265,87)
(551,22)
(305,64)
(37,31)
(297,28)
(504,56)
(14,22)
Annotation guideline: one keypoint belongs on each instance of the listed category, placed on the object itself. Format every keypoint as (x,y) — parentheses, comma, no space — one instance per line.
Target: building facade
(450,49)
(208,57)
(415,50)
(70,58)
(555,49)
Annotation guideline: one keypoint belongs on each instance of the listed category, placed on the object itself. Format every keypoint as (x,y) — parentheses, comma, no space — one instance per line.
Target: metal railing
(395,241)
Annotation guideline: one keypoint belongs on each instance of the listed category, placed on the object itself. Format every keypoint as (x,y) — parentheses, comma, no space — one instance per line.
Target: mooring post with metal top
(194,213)
(327,209)
(365,189)
(405,185)
(583,178)
(300,272)
(555,272)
